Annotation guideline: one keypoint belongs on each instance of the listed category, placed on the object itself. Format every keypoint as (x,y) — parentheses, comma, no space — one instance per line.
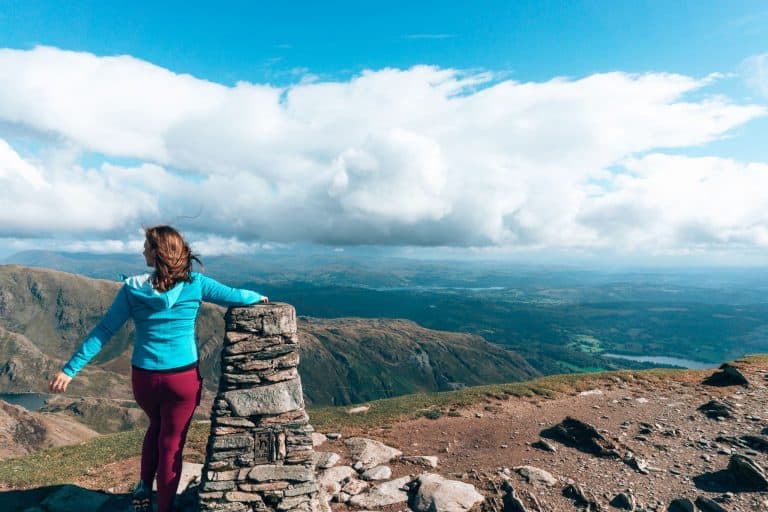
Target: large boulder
(433,492)
(369,453)
(71,498)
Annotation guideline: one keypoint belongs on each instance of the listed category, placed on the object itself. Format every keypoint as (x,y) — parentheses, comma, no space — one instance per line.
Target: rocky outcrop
(728,375)
(582,436)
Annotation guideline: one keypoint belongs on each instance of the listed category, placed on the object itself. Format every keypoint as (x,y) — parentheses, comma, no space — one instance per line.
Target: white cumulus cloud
(421,156)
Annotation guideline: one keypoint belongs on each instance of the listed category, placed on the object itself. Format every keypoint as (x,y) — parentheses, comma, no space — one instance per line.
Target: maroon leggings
(169,399)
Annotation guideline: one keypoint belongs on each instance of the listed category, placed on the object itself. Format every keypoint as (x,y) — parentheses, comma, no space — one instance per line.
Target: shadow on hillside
(723,481)
(64,498)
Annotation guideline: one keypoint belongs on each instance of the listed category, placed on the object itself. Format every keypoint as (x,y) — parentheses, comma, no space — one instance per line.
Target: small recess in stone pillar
(259,455)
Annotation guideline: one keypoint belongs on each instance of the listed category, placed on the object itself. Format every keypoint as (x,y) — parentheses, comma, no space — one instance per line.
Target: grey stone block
(232,442)
(272,399)
(266,320)
(269,472)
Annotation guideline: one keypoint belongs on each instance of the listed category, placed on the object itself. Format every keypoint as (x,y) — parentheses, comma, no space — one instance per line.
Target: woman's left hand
(59,382)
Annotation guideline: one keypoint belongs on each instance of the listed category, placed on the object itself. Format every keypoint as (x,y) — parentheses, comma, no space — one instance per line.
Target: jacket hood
(140,287)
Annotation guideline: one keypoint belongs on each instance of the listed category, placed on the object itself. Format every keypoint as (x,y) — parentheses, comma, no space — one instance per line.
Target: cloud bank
(423,156)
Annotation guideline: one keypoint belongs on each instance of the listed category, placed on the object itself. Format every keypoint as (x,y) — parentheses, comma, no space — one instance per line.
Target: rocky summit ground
(685,452)
(658,446)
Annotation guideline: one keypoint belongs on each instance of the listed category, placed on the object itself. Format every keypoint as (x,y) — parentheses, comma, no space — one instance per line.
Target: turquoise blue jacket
(165,322)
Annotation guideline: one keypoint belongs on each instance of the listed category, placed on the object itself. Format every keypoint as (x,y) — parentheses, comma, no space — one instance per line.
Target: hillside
(667,447)
(45,314)
(355,360)
(23,432)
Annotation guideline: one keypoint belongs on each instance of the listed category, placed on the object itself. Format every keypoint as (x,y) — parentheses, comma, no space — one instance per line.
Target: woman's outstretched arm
(110,323)
(214,291)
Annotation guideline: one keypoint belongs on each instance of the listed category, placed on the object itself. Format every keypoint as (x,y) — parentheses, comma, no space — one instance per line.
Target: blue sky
(532,40)
(336,54)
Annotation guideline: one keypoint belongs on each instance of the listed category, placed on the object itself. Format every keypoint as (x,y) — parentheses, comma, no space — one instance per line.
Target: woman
(165,376)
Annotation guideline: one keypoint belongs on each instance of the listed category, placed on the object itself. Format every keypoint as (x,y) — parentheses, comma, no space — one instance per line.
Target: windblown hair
(173,257)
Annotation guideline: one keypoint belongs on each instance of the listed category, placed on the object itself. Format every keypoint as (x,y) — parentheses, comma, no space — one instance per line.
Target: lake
(30,401)
(674,361)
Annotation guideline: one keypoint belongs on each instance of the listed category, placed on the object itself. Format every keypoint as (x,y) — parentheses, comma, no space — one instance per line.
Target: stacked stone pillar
(259,454)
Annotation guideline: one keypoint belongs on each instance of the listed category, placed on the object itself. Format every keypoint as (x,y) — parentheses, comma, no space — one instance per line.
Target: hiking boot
(142,498)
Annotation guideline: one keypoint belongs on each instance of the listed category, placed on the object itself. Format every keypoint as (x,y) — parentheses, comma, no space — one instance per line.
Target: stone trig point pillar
(259,455)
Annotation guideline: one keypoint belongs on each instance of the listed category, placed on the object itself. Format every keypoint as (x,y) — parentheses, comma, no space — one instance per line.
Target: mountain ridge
(49,312)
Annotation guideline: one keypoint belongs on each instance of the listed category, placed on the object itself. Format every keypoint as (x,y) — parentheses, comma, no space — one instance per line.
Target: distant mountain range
(558,318)
(45,314)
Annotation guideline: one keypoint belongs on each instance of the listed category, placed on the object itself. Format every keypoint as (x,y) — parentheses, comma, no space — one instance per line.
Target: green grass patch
(67,463)
(585,343)
(573,368)
(432,414)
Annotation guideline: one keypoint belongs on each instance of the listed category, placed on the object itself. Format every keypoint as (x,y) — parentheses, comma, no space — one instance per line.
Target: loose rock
(624,500)
(745,470)
(543,444)
(716,409)
(427,461)
(354,487)
(318,439)
(336,474)
(708,505)
(377,473)
(681,505)
(581,497)
(536,475)
(511,502)
(325,460)
(386,493)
